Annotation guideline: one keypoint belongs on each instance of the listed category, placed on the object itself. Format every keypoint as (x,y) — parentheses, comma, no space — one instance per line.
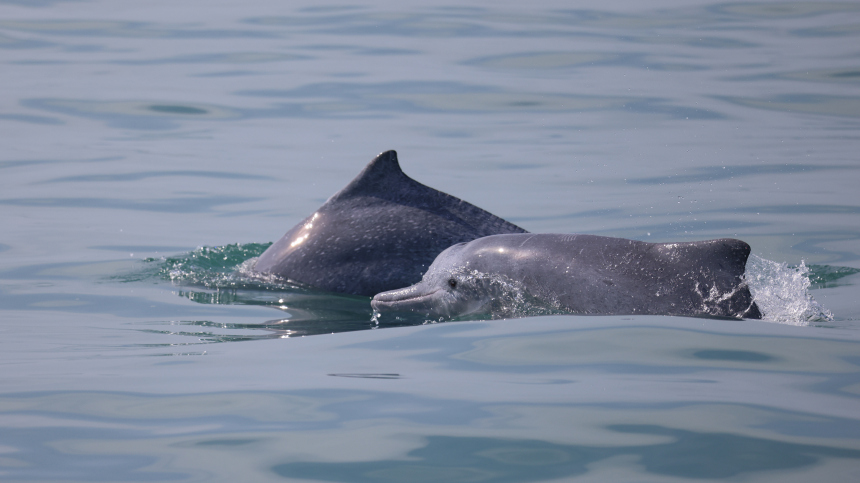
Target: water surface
(149,150)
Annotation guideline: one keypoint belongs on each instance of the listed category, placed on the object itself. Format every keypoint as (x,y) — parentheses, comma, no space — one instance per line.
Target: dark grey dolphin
(581,274)
(379,233)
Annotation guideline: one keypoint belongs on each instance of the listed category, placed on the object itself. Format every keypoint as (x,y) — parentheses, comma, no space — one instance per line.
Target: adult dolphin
(580,274)
(379,233)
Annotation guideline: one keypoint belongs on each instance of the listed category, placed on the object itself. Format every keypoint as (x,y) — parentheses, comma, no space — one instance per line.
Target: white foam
(782,292)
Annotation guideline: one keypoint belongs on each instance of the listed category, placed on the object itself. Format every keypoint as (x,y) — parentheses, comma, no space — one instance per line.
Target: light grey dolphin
(379,233)
(580,274)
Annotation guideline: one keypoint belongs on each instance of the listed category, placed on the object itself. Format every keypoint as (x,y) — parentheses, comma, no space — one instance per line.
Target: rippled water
(150,149)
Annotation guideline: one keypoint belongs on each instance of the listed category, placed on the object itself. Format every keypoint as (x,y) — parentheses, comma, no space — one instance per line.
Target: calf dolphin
(580,274)
(379,233)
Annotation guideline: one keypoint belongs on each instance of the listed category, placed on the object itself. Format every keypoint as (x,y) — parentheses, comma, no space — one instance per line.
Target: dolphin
(579,274)
(379,233)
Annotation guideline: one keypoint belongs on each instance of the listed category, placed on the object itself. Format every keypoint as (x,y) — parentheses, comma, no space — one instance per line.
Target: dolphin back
(716,269)
(583,274)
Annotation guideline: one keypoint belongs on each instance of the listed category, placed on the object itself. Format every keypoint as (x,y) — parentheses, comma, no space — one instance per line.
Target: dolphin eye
(452,282)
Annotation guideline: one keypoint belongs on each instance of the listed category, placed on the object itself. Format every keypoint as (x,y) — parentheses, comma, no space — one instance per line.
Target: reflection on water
(141,175)
(850,75)
(130,114)
(218,58)
(467,402)
(688,454)
(219,276)
(363,100)
(732,355)
(572,60)
(825,276)
(127,29)
(848,106)
(185,204)
(844,30)
(714,173)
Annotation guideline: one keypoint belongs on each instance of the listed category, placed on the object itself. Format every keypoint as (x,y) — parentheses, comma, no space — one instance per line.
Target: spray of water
(782,292)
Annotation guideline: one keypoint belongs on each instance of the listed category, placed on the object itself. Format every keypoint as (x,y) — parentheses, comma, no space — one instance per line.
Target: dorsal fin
(379,177)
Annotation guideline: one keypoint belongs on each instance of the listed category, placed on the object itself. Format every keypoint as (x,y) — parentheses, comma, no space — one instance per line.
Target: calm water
(150,148)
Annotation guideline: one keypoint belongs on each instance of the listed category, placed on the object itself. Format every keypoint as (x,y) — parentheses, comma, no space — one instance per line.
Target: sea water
(151,149)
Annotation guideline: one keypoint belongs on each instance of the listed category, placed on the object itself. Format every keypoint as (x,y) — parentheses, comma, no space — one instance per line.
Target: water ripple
(127,29)
(191,204)
(829,105)
(713,173)
(99,178)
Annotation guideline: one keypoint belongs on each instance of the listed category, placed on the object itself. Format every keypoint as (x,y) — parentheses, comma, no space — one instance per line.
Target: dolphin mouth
(404,300)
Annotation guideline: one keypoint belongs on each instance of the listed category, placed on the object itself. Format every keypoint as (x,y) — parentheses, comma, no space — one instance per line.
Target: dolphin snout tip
(384,297)
(409,299)
(388,300)
(378,305)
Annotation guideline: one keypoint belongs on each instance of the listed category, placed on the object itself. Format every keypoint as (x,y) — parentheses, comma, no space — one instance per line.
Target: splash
(224,275)
(782,292)
(210,266)
(511,299)
(222,267)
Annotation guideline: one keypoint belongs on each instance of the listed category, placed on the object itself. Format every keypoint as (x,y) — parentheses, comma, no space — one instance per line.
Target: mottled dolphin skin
(581,274)
(379,233)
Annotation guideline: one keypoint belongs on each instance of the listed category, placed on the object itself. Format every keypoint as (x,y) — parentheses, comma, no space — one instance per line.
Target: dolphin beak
(409,299)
